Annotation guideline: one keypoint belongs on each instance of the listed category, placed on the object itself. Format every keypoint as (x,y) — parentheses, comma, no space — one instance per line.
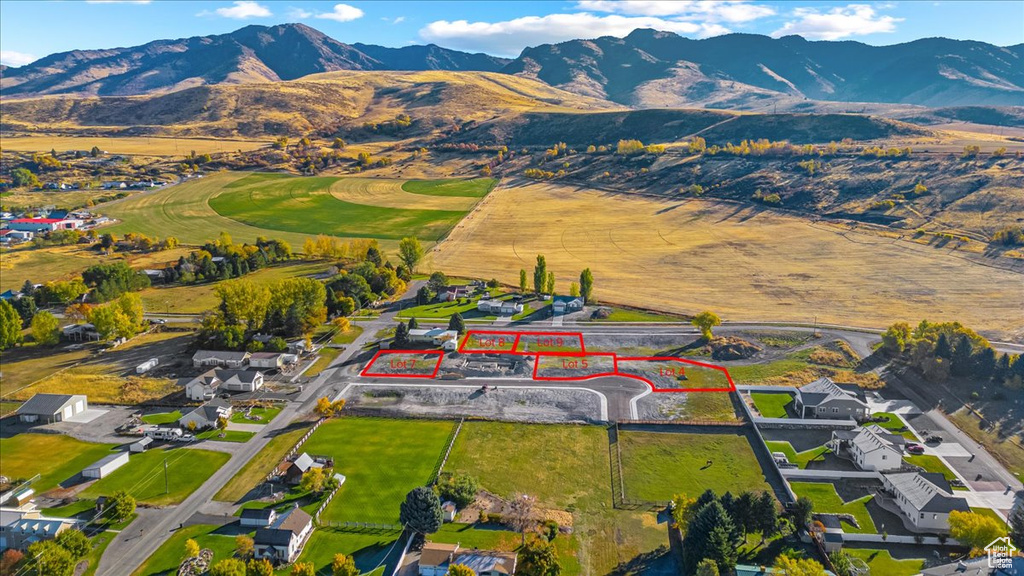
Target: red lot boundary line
(536,366)
(723,369)
(515,344)
(438,353)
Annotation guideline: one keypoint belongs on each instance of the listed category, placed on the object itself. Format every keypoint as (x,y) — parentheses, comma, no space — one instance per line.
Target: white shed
(104,466)
(141,445)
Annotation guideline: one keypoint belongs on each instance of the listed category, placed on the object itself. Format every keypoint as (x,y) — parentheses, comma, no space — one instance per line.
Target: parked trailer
(164,433)
(147,366)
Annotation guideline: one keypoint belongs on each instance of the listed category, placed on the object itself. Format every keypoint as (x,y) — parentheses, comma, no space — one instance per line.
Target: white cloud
(396,20)
(12,58)
(509,37)
(299,13)
(241,10)
(708,10)
(841,22)
(342,13)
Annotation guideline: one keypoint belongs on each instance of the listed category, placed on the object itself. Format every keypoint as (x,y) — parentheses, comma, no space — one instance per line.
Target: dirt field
(510,404)
(740,261)
(129,145)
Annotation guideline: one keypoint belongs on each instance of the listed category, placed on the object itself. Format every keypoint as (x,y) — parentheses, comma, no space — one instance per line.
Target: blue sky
(31,30)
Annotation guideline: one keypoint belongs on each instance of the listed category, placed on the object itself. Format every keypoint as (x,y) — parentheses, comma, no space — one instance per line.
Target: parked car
(186,438)
(933,439)
(915,449)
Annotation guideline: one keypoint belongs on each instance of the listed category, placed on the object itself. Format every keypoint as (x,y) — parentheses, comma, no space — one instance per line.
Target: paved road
(132,547)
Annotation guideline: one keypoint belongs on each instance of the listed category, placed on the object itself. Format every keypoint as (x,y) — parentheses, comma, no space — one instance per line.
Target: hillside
(322,102)
(746,71)
(250,54)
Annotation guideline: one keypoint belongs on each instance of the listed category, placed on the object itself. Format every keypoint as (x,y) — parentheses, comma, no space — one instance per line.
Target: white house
(258,517)
(823,398)
(25,525)
(206,385)
(267,360)
(871,447)
(220,359)
(206,416)
(282,541)
(567,304)
(435,336)
(104,466)
(49,408)
(500,307)
(925,498)
(436,559)
(141,445)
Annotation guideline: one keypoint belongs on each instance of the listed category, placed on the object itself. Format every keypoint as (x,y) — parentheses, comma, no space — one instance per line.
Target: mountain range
(646,69)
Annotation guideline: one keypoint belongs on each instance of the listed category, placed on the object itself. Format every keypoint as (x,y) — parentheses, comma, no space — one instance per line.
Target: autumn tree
(228,567)
(538,558)
(303,569)
(460,570)
(121,505)
(325,408)
(10,326)
(705,321)
(786,566)
(574,289)
(50,559)
(410,252)
(540,275)
(191,548)
(343,565)
(549,286)
(587,285)
(244,546)
(259,567)
(974,530)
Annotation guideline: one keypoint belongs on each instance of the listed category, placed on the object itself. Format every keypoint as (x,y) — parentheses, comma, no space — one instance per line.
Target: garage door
(79,407)
(67,412)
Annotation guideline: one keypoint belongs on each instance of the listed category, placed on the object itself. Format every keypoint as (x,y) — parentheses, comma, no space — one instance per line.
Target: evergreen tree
(961,362)
(743,512)
(1002,371)
(766,515)
(522,280)
(421,511)
(540,275)
(587,285)
(1017,526)
(709,536)
(413,324)
(985,363)
(401,335)
(802,510)
(943,349)
(457,323)
(422,296)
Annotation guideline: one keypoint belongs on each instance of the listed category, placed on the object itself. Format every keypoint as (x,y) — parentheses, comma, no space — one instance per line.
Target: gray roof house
(924,498)
(52,407)
(258,517)
(220,359)
(871,447)
(20,527)
(823,398)
(206,416)
(282,541)
(300,466)
(205,386)
(567,304)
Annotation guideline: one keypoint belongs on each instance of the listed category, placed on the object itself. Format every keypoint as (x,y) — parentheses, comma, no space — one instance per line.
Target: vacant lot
(102,383)
(565,467)
(146,146)
(659,465)
(54,457)
(741,261)
(382,460)
(143,475)
(41,265)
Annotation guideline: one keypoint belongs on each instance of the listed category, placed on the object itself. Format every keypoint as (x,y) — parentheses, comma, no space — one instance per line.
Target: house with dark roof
(977,567)
(823,398)
(925,499)
(52,407)
(436,559)
(206,385)
(567,304)
(282,541)
(302,464)
(206,416)
(258,517)
(870,447)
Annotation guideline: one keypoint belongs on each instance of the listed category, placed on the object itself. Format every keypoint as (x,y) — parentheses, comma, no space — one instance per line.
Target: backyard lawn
(801,459)
(930,464)
(567,468)
(894,424)
(162,417)
(882,563)
(166,559)
(659,465)
(382,460)
(370,551)
(771,405)
(143,475)
(54,457)
(260,415)
(260,465)
(826,499)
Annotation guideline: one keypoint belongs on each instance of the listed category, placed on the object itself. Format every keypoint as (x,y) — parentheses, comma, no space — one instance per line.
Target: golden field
(744,262)
(140,145)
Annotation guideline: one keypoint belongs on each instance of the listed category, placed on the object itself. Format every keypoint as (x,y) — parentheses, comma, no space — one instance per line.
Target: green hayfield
(168,557)
(826,499)
(143,475)
(566,467)
(306,205)
(382,461)
(54,457)
(882,563)
(801,459)
(472,188)
(771,405)
(657,465)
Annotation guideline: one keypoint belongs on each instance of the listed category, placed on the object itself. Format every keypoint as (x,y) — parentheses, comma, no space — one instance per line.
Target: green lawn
(771,405)
(262,464)
(893,424)
(54,457)
(623,315)
(658,465)
(99,545)
(930,464)
(471,188)
(348,336)
(306,205)
(162,417)
(825,499)
(880,562)
(566,467)
(324,359)
(991,514)
(370,551)
(226,436)
(799,458)
(382,461)
(754,373)
(143,475)
(168,557)
(265,414)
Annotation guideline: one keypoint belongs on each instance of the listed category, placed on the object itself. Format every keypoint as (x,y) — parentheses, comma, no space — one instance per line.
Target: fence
(619,498)
(363,527)
(767,461)
(291,453)
(900,539)
(803,423)
(439,466)
(796,473)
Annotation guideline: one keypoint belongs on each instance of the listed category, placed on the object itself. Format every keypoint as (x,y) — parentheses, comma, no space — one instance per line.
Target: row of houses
(238,360)
(25,525)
